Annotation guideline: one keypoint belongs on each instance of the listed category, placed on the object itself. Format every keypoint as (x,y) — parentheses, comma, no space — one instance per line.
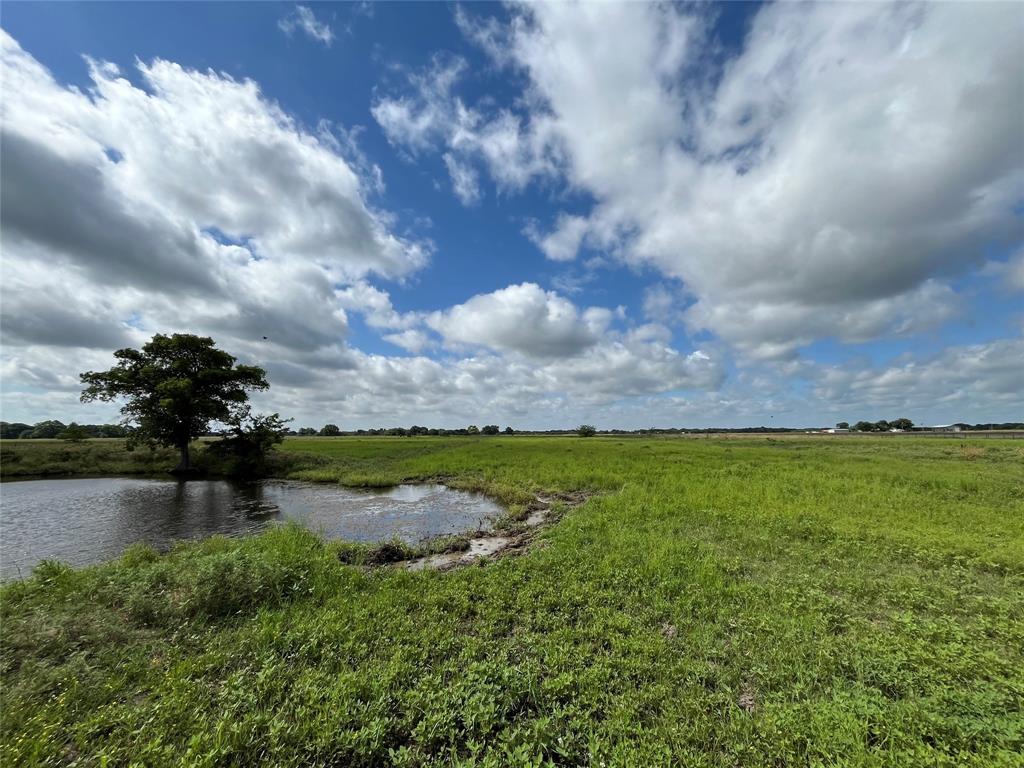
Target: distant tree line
(877,426)
(332,430)
(48,430)
(57,429)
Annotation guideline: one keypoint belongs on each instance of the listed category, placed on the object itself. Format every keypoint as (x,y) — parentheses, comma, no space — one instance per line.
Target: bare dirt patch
(498,545)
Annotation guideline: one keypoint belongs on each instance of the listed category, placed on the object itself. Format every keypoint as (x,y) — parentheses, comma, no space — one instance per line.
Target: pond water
(85,521)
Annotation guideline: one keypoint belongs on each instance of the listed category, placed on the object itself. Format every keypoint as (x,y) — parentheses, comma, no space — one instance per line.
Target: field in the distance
(851,601)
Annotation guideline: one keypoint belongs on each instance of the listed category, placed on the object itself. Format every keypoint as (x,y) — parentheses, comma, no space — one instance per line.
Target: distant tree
(44,430)
(330,430)
(307,431)
(843,425)
(74,433)
(491,429)
(418,430)
(509,431)
(864,426)
(901,423)
(586,430)
(13,430)
(882,426)
(472,430)
(175,386)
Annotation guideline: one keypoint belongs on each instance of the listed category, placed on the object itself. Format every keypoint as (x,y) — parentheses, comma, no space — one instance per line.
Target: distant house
(938,428)
(836,431)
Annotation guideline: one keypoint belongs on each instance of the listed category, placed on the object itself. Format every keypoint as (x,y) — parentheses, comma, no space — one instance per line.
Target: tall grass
(715,603)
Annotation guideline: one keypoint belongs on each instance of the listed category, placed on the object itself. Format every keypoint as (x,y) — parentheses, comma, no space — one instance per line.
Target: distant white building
(836,431)
(938,428)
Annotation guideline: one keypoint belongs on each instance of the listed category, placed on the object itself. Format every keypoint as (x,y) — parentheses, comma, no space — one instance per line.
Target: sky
(630,215)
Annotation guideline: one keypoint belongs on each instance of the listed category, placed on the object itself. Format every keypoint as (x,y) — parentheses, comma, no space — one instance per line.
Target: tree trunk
(185,464)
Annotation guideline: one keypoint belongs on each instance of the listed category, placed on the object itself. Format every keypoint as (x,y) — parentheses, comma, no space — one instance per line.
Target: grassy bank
(61,458)
(741,602)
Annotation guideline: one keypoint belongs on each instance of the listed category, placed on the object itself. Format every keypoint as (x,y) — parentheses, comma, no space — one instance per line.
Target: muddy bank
(544,509)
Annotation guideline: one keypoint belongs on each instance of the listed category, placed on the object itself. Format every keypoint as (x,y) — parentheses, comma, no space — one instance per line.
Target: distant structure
(836,431)
(938,428)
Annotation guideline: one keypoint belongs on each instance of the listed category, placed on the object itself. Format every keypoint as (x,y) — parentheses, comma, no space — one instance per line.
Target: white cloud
(845,165)
(198,205)
(977,382)
(411,340)
(417,120)
(522,318)
(302,18)
(375,305)
(562,243)
(191,202)
(660,304)
(430,116)
(465,181)
(1008,273)
(195,204)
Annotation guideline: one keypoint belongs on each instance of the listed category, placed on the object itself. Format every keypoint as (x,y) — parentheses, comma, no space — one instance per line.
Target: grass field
(740,602)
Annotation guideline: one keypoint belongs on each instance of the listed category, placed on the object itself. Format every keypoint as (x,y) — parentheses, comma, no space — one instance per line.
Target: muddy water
(85,521)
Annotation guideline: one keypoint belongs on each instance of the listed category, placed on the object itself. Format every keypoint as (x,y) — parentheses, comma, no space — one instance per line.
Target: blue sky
(630,215)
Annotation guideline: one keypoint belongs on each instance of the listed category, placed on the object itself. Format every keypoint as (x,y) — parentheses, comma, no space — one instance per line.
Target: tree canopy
(173,388)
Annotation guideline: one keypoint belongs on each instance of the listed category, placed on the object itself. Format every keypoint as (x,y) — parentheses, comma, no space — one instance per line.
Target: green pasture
(788,601)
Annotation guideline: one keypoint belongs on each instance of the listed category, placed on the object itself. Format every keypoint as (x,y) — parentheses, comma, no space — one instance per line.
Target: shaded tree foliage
(73,434)
(173,388)
(586,430)
(244,448)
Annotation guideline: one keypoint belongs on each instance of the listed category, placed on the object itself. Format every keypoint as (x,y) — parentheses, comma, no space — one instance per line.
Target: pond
(86,521)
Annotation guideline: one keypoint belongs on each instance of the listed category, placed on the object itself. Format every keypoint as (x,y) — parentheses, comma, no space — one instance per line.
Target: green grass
(849,601)
(56,458)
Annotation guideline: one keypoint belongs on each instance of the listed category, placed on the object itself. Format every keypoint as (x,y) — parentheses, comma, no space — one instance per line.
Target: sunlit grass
(849,601)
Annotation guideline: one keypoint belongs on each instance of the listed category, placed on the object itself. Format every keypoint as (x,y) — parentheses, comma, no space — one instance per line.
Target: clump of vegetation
(73,434)
(245,448)
(586,430)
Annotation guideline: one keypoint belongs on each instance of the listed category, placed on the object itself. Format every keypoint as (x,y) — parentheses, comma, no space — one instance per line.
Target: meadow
(822,601)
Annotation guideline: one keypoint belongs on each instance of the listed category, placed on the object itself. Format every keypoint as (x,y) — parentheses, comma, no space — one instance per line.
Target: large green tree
(174,387)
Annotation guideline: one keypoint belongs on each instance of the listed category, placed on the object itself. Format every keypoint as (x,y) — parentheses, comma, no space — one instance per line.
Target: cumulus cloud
(828,180)
(192,203)
(304,20)
(980,379)
(168,199)
(522,318)
(564,241)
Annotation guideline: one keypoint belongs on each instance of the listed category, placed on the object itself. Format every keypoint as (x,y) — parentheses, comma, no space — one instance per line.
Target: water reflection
(85,521)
